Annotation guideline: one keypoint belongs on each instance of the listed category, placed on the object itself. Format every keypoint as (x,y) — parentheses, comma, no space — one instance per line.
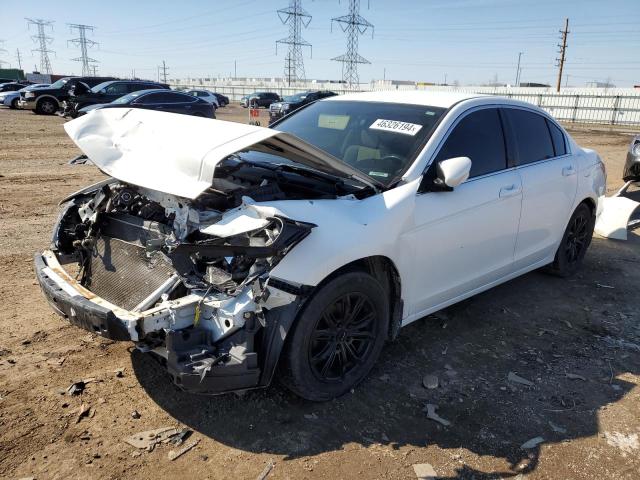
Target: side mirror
(453,171)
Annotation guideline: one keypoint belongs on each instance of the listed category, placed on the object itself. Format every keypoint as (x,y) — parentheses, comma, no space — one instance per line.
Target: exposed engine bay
(194,272)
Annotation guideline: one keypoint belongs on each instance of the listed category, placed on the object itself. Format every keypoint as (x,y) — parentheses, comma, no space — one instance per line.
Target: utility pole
(562,52)
(84,43)
(518,69)
(43,40)
(235,69)
(354,25)
(19,58)
(164,69)
(297,18)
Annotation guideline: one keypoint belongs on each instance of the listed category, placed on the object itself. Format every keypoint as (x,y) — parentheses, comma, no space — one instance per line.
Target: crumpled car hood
(178,154)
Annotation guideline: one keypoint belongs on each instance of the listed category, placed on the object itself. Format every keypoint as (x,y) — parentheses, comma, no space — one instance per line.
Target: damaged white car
(231,251)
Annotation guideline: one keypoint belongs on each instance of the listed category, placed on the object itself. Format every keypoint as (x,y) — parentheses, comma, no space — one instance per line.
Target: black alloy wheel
(343,337)
(337,337)
(575,242)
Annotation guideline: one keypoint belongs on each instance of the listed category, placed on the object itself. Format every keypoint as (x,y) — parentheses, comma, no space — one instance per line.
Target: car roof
(412,97)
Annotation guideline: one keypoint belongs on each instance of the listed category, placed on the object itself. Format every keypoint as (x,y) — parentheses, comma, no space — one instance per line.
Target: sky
(468,41)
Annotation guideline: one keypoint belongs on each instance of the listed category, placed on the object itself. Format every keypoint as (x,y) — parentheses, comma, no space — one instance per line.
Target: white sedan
(234,252)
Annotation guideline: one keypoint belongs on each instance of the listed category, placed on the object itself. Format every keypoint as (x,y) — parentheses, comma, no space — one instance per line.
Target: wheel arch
(384,270)
(589,202)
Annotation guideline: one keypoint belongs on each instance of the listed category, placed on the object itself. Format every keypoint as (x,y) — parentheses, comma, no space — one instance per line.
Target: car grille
(274,108)
(125,274)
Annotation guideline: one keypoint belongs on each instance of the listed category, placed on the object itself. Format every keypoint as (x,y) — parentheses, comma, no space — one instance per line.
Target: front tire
(46,107)
(14,104)
(575,242)
(337,338)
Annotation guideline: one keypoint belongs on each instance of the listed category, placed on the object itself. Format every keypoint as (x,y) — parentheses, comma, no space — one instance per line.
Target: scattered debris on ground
(430,381)
(432,415)
(512,377)
(173,455)
(267,469)
(424,471)
(149,439)
(557,428)
(533,443)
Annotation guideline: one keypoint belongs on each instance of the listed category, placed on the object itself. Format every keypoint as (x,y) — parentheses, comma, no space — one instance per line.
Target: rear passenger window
(559,145)
(478,136)
(533,140)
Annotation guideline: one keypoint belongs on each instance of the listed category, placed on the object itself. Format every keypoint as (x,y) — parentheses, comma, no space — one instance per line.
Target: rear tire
(575,242)
(337,338)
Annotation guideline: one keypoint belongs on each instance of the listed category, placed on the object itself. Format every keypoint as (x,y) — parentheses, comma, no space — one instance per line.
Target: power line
(84,43)
(42,40)
(297,18)
(562,52)
(354,25)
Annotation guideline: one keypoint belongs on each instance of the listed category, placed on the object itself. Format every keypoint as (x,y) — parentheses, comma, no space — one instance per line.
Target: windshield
(379,139)
(100,86)
(128,97)
(60,83)
(296,98)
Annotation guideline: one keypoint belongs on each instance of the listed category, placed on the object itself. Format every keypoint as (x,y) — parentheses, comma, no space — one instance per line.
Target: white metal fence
(588,106)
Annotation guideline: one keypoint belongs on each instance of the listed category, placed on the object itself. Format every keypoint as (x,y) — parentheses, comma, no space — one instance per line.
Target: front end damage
(187,280)
(175,251)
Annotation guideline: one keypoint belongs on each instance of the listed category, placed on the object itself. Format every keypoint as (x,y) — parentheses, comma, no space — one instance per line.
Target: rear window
(557,137)
(533,140)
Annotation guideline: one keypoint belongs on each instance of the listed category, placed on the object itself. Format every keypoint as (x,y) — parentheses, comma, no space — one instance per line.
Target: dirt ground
(576,340)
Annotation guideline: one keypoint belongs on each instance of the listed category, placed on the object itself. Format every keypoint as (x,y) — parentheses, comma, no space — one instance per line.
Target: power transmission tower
(297,18)
(84,43)
(43,40)
(19,58)
(354,25)
(562,52)
(2,50)
(164,69)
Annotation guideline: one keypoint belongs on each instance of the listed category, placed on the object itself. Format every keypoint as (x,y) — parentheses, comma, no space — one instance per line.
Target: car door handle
(568,171)
(510,191)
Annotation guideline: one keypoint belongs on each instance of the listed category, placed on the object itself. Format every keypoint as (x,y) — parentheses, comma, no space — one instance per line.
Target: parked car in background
(47,101)
(12,86)
(11,99)
(631,172)
(223,100)
(205,95)
(105,92)
(259,99)
(161,100)
(303,249)
(293,102)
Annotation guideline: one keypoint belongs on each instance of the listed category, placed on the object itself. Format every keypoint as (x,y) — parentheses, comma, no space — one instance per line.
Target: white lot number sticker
(405,128)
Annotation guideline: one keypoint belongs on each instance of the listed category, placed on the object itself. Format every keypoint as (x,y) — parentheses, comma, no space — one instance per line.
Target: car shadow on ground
(571,338)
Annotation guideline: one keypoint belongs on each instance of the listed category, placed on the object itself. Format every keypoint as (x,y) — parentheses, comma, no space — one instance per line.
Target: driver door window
(478,136)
